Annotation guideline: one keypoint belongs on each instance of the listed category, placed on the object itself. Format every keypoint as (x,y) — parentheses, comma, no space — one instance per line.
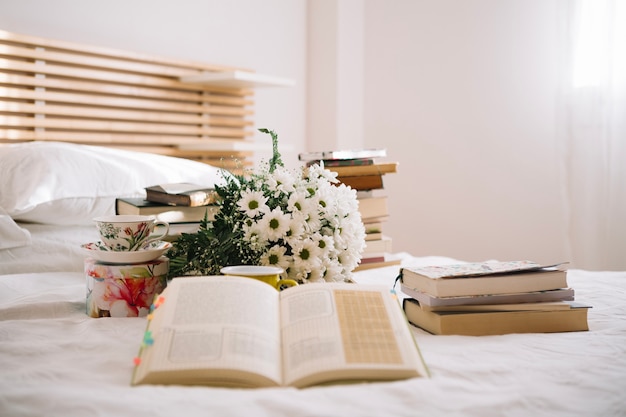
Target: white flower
(276,256)
(332,269)
(318,172)
(252,202)
(296,229)
(255,235)
(306,258)
(281,180)
(304,221)
(274,224)
(325,243)
(296,201)
(326,196)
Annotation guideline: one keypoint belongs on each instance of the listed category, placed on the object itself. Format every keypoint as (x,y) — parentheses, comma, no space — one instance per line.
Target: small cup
(268,274)
(127,233)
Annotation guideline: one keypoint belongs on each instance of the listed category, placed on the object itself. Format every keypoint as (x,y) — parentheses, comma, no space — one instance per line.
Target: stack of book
(378,245)
(362,171)
(182,205)
(491,298)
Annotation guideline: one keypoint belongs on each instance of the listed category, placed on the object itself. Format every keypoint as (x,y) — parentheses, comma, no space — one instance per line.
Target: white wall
(336,74)
(267,36)
(460,92)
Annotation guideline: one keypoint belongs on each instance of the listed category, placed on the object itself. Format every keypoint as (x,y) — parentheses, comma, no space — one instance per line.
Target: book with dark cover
(343,154)
(342,162)
(165,212)
(181,194)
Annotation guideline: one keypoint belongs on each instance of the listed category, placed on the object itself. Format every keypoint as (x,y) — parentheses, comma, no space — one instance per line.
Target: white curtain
(592,131)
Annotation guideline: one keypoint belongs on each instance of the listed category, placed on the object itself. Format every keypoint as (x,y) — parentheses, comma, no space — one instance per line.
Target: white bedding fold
(53,248)
(12,235)
(57,361)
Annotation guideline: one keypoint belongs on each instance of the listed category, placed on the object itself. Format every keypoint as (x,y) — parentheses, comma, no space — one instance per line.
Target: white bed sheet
(56,361)
(53,249)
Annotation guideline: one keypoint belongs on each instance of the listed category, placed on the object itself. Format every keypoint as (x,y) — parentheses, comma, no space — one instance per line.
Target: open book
(236,331)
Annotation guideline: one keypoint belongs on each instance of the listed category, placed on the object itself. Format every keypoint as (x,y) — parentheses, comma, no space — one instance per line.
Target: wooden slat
(89,61)
(233,165)
(12,135)
(110,76)
(114,114)
(124,90)
(60,91)
(121,102)
(225,159)
(172,151)
(9,122)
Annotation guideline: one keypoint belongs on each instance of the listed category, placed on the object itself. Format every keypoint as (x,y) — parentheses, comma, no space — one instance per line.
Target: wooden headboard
(53,90)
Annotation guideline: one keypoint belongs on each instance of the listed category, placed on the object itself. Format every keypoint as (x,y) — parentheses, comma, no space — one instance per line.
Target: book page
(335,332)
(215,324)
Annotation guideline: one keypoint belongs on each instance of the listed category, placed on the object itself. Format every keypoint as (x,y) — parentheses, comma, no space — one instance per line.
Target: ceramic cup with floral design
(268,274)
(125,232)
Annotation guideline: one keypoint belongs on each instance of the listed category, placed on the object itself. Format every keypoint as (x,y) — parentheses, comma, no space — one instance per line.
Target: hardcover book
(342,162)
(373,207)
(427,300)
(484,278)
(372,235)
(182,194)
(363,182)
(343,154)
(377,261)
(544,305)
(381,168)
(383,244)
(236,331)
(373,227)
(571,318)
(165,212)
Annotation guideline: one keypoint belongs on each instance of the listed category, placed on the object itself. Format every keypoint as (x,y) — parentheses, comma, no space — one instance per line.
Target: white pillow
(65,183)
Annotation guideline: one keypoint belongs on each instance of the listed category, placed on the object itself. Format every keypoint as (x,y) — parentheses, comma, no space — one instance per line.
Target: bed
(55,360)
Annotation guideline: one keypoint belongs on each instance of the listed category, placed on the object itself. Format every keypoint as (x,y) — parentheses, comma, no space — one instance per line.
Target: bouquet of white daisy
(304,221)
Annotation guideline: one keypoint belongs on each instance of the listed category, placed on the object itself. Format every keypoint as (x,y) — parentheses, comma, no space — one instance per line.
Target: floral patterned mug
(123,233)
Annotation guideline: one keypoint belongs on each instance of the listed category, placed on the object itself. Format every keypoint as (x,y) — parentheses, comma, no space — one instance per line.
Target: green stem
(276,160)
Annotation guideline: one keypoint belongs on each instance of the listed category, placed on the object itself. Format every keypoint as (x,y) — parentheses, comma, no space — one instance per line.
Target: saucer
(251,270)
(100,252)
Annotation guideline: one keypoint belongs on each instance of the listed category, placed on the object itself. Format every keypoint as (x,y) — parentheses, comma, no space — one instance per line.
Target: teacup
(125,233)
(268,274)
